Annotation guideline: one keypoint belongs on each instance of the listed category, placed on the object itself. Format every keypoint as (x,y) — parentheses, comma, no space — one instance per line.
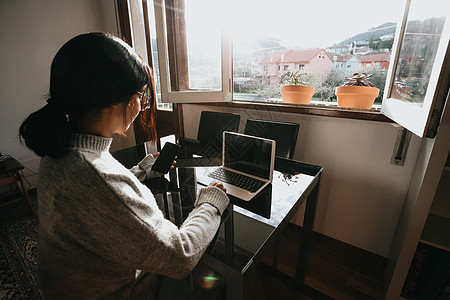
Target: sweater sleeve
(214,196)
(143,170)
(120,223)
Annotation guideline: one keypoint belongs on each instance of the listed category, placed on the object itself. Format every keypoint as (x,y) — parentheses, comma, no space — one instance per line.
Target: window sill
(326,111)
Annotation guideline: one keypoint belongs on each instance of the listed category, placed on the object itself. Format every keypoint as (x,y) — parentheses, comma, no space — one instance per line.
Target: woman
(98,224)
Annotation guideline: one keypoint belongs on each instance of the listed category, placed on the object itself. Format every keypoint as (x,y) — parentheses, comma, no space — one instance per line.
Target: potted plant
(294,89)
(357,92)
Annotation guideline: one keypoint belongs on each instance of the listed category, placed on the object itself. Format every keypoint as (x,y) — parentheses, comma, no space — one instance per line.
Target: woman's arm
(143,170)
(124,224)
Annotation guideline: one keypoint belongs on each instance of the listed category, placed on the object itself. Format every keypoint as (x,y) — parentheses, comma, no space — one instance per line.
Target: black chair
(283,133)
(209,138)
(130,157)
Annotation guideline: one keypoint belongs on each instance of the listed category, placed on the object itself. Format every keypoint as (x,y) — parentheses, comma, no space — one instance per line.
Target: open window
(418,77)
(196,57)
(194,54)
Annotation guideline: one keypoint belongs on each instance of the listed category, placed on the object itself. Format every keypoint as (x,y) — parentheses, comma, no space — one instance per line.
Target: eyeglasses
(145,100)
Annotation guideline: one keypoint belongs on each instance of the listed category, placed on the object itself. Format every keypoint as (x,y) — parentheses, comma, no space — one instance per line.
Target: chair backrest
(210,129)
(130,157)
(283,133)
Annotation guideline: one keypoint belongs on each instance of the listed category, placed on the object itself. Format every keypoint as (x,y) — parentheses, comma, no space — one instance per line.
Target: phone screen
(166,157)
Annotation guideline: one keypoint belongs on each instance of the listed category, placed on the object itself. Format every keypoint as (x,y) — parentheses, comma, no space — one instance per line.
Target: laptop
(247,165)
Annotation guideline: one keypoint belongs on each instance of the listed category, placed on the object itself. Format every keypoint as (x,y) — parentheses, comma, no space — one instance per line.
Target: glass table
(249,229)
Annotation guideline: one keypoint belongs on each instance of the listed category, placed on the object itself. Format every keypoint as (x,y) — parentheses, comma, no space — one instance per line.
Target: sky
(299,23)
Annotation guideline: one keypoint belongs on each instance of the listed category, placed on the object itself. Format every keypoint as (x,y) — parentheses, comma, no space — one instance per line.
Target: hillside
(375,32)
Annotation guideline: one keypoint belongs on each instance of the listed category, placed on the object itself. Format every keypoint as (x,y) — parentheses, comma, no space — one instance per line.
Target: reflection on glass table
(249,228)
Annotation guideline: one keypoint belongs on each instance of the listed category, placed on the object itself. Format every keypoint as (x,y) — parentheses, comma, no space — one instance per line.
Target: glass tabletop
(252,223)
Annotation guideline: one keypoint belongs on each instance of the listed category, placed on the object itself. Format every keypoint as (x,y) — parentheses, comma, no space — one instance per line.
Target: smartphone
(165,158)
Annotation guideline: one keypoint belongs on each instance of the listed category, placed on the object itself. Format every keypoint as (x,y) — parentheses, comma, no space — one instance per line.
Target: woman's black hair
(90,72)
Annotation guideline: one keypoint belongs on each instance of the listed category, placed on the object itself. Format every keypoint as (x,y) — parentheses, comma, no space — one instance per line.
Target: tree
(387,44)
(326,90)
(378,78)
(372,43)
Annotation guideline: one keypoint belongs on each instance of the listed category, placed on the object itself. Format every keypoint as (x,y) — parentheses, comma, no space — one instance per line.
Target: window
(194,59)
(154,56)
(418,83)
(189,71)
(312,50)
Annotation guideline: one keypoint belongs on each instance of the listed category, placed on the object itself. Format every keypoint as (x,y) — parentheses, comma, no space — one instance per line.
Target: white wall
(31,33)
(362,193)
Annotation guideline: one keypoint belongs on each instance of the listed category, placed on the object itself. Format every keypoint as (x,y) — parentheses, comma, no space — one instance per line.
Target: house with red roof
(280,62)
(379,59)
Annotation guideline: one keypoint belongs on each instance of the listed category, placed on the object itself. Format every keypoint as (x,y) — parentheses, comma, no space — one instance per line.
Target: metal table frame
(240,282)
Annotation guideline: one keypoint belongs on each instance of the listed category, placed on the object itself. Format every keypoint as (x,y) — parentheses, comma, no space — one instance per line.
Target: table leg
(240,286)
(276,252)
(307,231)
(229,236)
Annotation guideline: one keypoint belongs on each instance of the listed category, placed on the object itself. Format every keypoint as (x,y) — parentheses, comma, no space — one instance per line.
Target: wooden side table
(11,174)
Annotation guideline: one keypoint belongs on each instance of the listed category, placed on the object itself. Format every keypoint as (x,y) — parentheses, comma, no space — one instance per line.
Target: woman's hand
(155,155)
(219,185)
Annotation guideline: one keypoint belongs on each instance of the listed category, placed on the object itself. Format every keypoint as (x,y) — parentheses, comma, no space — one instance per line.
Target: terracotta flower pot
(356,96)
(297,94)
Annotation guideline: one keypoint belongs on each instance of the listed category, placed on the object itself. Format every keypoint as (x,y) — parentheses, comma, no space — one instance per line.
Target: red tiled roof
(298,56)
(275,56)
(302,56)
(344,57)
(374,57)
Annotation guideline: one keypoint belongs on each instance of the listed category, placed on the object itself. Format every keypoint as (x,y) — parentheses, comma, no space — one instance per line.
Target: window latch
(401,147)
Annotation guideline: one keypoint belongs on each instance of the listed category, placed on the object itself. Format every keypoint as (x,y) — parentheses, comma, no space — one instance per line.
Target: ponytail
(90,72)
(47,131)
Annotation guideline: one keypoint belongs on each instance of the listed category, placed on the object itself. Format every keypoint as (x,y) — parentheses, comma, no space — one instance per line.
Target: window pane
(155,62)
(418,50)
(203,37)
(328,40)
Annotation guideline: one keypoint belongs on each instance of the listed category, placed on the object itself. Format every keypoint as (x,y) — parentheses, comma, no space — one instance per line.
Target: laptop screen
(248,154)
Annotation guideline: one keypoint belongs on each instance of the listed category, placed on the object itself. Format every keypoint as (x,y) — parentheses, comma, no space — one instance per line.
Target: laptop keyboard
(244,182)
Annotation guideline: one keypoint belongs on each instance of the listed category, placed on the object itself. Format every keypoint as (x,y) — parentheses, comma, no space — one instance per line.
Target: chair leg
(25,192)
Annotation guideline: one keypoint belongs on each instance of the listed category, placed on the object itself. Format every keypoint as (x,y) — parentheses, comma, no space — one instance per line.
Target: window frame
(315,110)
(225,97)
(423,120)
(172,55)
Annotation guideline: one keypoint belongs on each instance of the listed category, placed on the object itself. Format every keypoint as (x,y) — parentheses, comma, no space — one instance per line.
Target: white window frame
(412,116)
(192,95)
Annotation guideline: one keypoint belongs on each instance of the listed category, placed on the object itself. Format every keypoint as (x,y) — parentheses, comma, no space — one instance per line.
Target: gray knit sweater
(98,225)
